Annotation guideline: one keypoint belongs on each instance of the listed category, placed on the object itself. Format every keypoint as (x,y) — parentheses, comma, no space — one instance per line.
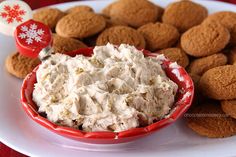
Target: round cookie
(227,19)
(159,35)
(219,83)
(135,12)
(209,120)
(48,16)
(232,56)
(205,40)
(229,107)
(121,34)
(79,8)
(201,65)
(19,65)
(184,14)
(62,44)
(80,25)
(176,55)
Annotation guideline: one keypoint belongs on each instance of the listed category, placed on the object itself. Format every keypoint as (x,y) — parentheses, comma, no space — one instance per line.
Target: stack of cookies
(183,32)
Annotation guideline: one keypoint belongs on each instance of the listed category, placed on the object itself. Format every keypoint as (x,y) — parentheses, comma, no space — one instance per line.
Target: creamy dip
(114,90)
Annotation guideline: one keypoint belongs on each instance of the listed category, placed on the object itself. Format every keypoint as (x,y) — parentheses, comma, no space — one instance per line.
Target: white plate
(19,132)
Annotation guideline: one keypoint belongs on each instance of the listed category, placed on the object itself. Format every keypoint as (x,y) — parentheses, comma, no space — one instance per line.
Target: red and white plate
(24,135)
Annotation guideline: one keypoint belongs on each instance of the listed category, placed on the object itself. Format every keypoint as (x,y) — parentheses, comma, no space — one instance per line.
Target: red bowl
(183,101)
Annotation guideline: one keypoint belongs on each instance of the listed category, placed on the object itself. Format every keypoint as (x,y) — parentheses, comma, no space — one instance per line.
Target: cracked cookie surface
(219,83)
(228,20)
(159,35)
(19,65)
(205,40)
(209,120)
(184,14)
(80,25)
(121,34)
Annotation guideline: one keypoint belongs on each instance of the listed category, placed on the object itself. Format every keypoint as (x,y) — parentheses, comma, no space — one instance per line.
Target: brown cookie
(48,16)
(62,44)
(228,20)
(209,120)
(121,34)
(219,83)
(232,56)
(135,12)
(80,25)
(184,14)
(79,8)
(201,65)
(176,55)
(205,40)
(19,65)
(159,35)
(229,107)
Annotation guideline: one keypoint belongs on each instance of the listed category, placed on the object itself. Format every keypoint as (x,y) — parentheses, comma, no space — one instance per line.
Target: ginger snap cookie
(229,107)
(176,55)
(227,19)
(205,40)
(219,83)
(184,14)
(62,44)
(79,8)
(19,65)
(201,65)
(48,16)
(232,56)
(135,12)
(80,25)
(209,120)
(159,35)
(121,34)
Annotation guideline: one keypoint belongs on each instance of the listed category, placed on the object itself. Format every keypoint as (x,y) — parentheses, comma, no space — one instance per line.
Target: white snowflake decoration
(31,34)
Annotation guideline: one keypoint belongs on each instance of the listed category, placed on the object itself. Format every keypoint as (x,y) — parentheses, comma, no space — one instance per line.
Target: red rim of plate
(183,102)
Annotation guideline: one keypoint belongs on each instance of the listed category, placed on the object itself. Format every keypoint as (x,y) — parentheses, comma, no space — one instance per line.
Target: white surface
(18,131)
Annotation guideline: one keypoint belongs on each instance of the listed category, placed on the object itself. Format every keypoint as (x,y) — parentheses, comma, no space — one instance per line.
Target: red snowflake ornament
(31,37)
(13,13)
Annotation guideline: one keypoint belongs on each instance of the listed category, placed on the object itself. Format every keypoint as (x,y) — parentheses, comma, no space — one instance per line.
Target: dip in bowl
(108,94)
